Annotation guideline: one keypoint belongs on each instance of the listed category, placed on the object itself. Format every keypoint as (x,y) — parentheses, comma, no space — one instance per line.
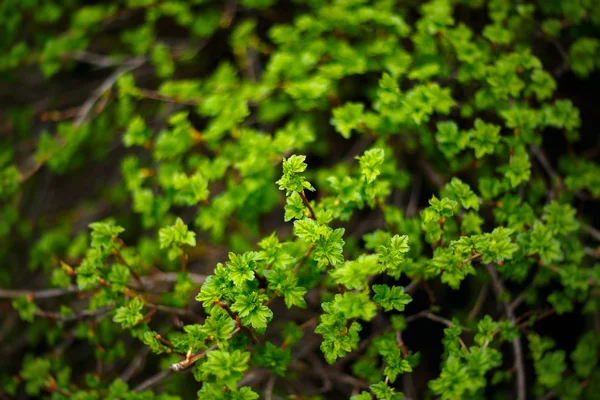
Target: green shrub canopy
(301,199)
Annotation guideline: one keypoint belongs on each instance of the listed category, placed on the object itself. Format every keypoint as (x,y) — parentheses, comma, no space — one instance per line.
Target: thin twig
(306,202)
(303,259)
(593,232)
(153,380)
(37,294)
(429,315)
(171,277)
(152,95)
(519,366)
(84,314)
(106,85)
(412,286)
(415,194)
(479,302)
(180,366)
(136,364)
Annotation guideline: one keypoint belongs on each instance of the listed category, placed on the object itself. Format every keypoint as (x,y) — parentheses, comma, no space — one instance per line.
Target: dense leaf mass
(303,199)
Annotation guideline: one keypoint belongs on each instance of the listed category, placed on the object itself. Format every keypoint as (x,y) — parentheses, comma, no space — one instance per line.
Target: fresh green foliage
(292,199)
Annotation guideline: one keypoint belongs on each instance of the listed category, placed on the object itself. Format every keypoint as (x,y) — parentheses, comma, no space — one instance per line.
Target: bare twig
(152,95)
(37,294)
(434,177)
(98,60)
(429,315)
(412,286)
(269,388)
(415,194)
(519,366)
(541,156)
(83,314)
(593,232)
(136,364)
(153,380)
(479,302)
(106,85)
(171,277)
(303,259)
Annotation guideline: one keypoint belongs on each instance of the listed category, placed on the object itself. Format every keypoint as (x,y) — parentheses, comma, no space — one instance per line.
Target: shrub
(308,199)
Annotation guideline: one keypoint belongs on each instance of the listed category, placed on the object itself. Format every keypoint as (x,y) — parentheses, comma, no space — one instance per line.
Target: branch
(171,277)
(37,294)
(498,287)
(479,302)
(312,212)
(84,314)
(106,85)
(412,286)
(429,315)
(593,232)
(269,388)
(180,366)
(303,259)
(153,380)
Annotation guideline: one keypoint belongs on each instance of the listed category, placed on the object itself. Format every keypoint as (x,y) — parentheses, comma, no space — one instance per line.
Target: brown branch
(184,259)
(163,341)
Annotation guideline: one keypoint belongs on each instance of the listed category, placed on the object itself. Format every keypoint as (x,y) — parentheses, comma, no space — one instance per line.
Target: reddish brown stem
(184,259)
(312,212)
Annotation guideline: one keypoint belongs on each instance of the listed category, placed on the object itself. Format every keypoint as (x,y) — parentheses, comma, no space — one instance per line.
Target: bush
(308,199)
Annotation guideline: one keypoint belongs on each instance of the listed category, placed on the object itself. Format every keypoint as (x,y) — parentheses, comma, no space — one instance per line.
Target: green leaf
(25,308)
(484,138)
(242,267)
(329,248)
(273,357)
(347,118)
(461,192)
(291,180)
(560,218)
(227,367)
(370,163)
(383,392)
(174,237)
(391,297)
(252,311)
(392,255)
(543,243)
(137,133)
(354,274)
(294,207)
(129,315)
(104,234)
